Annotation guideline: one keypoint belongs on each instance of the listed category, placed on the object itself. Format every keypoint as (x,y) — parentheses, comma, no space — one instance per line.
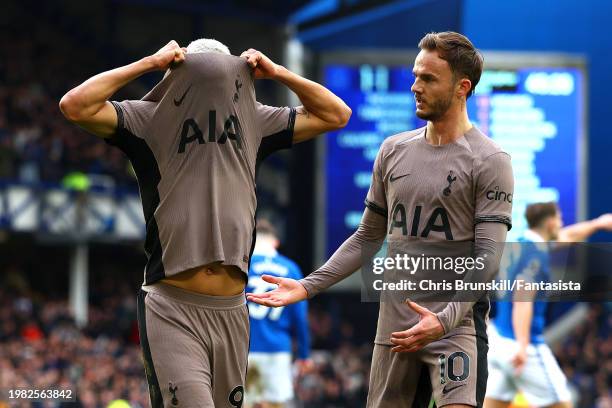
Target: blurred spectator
(41,348)
(36,144)
(586,357)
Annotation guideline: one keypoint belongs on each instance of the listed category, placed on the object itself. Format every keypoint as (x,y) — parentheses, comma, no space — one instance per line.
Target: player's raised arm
(87,105)
(580,231)
(322,111)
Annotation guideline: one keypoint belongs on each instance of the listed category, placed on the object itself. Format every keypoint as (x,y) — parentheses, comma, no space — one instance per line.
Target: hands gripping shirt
(193,141)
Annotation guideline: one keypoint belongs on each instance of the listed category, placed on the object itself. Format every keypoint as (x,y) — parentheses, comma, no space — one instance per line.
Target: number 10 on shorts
(449,367)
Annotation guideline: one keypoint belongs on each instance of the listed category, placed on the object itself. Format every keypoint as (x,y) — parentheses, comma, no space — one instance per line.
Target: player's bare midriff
(213,279)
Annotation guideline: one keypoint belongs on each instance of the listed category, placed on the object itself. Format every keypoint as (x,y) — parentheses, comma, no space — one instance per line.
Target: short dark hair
(265,227)
(537,213)
(463,58)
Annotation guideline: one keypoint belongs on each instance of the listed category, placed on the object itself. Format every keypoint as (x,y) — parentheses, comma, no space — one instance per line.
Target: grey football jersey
(431,194)
(193,142)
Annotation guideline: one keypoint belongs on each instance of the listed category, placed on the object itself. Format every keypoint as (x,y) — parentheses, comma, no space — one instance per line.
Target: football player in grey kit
(194,141)
(429,186)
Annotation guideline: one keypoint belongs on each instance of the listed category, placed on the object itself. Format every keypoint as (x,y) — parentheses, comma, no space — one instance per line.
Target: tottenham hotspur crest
(451,178)
(173,388)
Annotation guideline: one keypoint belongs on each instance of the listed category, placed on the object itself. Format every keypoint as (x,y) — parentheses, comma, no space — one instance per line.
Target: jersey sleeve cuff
(444,322)
(120,115)
(291,122)
(310,288)
(113,140)
(503,219)
(376,208)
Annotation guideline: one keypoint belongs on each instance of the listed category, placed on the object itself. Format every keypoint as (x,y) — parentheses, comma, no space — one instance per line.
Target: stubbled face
(434,86)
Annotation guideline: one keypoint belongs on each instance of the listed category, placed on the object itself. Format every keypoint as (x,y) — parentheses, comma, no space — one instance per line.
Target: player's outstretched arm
(322,111)
(580,231)
(364,242)
(346,260)
(87,105)
(289,291)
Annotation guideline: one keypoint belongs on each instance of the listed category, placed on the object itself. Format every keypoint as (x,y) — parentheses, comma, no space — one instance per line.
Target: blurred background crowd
(37,144)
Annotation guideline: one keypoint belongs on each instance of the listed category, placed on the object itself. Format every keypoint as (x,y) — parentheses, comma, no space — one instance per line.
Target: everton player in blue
(272,329)
(519,359)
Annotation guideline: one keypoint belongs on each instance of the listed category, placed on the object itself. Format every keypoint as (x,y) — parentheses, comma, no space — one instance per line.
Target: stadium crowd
(36,143)
(41,348)
(586,357)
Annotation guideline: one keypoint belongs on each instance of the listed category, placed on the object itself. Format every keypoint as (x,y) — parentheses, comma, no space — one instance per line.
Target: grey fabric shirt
(420,195)
(194,141)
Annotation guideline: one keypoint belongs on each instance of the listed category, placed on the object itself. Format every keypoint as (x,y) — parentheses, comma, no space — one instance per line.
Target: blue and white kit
(273,329)
(541,379)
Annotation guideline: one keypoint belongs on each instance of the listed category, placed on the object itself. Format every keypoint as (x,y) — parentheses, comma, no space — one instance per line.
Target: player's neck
(449,128)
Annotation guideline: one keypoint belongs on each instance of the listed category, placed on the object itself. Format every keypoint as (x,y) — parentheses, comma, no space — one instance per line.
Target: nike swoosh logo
(446,390)
(392,179)
(180,101)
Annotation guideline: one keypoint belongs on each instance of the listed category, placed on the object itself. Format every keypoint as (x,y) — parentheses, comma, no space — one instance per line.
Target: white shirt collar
(533,236)
(264,250)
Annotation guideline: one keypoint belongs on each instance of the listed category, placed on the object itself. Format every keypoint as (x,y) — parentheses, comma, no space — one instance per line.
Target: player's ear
(464,86)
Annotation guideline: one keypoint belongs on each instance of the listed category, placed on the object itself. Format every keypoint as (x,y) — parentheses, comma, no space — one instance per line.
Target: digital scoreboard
(535,113)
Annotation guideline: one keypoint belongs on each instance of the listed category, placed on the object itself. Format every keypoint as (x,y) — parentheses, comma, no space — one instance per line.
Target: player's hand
(168,56)
(288,291)
(263,67)
(604,222)
(519,359)
(304,366)
(428,329)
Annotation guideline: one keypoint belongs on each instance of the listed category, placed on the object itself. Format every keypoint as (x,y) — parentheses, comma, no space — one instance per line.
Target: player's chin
(422,114)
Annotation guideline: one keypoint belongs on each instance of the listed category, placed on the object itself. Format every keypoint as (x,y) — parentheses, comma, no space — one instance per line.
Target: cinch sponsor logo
(499,195)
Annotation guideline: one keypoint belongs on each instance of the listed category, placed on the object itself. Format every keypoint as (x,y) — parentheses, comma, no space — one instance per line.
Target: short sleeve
(277,129)
(134,116)
(494,190)
(273,120)
(376,200)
